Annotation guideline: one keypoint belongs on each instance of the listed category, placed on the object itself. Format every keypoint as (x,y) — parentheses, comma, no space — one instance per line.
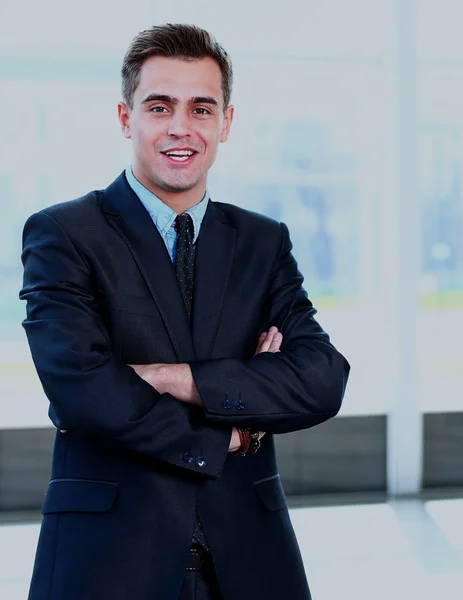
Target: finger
(266,343)
(64,430)
(262,337)
(276,342)
(269,339)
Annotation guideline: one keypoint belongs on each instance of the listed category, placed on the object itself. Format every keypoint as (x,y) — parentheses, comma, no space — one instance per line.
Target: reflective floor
(407,550)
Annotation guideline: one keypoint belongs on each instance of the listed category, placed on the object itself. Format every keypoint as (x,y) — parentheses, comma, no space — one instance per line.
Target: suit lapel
(128,216)
(215,249)
(214,257)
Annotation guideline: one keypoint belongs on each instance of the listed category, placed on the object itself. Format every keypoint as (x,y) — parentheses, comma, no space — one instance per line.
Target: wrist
(245,440)
(249,441)
(235,441)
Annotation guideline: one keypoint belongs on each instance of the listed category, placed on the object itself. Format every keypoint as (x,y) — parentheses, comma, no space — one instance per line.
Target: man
(145,302)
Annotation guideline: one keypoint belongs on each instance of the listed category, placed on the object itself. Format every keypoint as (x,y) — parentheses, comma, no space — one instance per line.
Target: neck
(177,201)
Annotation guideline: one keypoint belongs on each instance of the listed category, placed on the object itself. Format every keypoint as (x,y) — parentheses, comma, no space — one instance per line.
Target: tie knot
(184,226)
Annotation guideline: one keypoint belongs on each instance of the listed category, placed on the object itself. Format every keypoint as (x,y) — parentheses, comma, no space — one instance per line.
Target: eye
(204,111)
(157,109)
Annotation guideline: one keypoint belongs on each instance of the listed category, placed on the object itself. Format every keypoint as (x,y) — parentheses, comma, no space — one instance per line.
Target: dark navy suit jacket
(126,479)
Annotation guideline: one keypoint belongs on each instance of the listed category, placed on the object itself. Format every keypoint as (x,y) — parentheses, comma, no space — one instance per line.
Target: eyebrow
(171,100)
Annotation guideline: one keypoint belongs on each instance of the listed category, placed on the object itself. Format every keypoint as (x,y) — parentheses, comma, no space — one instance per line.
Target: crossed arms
(177,379)
(93,394)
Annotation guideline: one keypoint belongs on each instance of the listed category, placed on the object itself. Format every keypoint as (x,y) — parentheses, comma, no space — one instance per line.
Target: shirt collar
(163,216)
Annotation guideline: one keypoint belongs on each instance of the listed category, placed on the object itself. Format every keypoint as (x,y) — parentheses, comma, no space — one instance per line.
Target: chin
(178,186)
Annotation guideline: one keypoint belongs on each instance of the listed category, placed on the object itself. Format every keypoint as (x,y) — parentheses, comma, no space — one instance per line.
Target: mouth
(180,157)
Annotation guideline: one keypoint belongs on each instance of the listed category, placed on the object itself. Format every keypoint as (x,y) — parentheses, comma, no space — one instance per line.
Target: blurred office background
(349,128)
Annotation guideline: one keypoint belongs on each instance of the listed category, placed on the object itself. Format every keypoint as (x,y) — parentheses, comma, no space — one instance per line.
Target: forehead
(180,78)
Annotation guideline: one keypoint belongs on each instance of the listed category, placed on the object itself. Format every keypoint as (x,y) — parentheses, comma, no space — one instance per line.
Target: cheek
(143,135)
(211,141)
(146,133)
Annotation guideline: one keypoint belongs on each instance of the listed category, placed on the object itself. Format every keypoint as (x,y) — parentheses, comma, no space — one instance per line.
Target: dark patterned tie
(185,259)
(184,266)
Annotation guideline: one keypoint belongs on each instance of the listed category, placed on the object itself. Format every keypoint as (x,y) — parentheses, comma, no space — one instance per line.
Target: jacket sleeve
(90,391)
(297,388)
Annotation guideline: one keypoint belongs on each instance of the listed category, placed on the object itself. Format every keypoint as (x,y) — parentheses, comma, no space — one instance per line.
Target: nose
(179,124)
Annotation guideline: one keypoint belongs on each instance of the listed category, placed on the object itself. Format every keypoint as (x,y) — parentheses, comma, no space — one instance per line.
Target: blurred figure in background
(173,338)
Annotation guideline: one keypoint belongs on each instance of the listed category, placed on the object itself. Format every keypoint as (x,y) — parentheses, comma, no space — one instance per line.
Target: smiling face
(176,124)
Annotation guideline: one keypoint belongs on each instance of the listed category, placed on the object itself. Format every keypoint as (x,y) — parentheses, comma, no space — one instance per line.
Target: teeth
(179,158)
(180,153)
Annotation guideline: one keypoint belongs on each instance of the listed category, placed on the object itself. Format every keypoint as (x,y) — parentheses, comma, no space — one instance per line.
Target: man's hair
(184,42)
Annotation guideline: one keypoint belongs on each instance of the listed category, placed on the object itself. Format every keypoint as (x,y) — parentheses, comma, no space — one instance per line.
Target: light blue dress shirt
(163,216)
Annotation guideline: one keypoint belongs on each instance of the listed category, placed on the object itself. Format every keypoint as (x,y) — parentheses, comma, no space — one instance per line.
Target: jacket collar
(162,215)
(214,257)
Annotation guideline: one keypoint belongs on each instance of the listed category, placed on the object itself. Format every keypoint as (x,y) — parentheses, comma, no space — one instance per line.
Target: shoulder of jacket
(243,216)
(77,210)
(83,203)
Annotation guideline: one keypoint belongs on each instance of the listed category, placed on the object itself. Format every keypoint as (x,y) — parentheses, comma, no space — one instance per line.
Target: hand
(175,379)
(148,373)
(268,342)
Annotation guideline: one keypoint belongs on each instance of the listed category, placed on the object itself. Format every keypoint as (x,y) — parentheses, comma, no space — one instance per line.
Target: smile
(179,156)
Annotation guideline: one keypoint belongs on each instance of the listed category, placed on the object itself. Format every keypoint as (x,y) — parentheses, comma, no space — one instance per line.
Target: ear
(227,121)
(123,112)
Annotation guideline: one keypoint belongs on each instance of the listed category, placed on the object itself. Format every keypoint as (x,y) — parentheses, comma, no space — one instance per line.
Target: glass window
(441,193)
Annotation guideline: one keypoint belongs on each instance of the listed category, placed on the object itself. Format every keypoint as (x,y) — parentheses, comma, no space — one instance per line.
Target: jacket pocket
(79,495)
(271,493)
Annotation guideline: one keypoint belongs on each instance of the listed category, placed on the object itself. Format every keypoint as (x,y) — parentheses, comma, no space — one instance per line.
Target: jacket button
(200,461)
(188,458)
(227,404)
(239,405)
